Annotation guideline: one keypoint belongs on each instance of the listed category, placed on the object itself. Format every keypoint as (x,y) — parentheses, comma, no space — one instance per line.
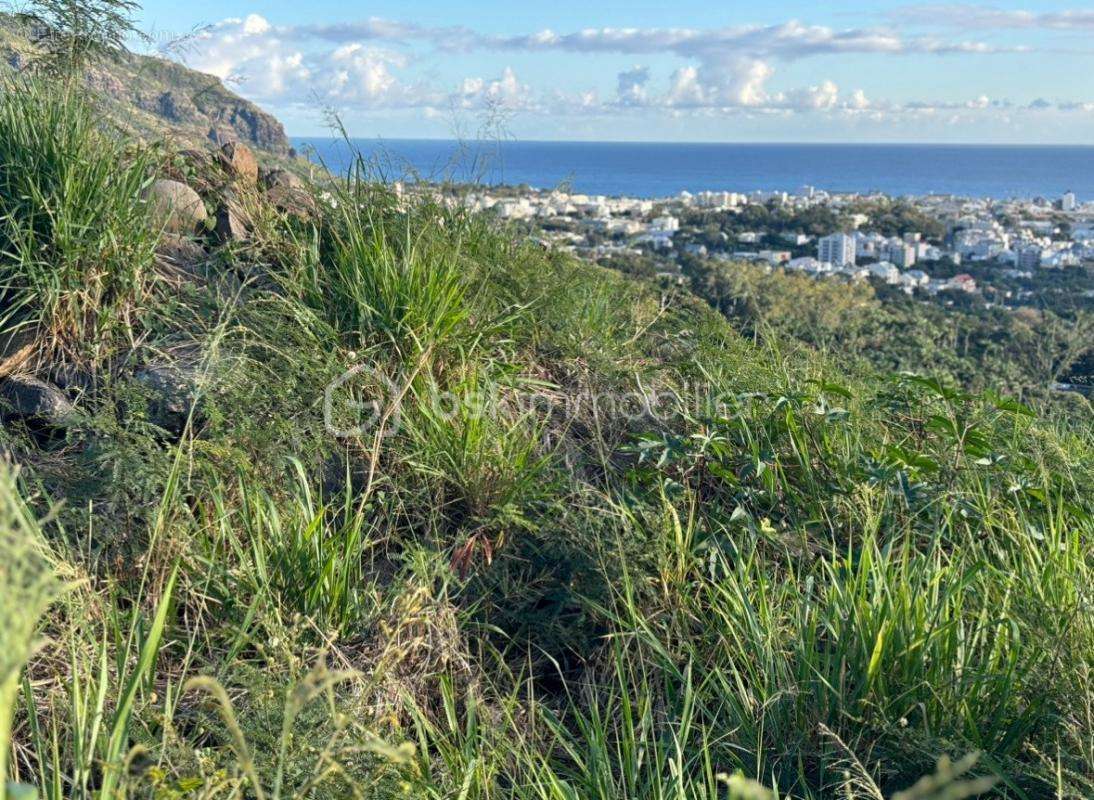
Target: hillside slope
(329,492)
(157,97)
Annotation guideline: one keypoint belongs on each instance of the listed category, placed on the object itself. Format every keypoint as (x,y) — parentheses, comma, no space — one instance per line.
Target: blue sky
(679,71)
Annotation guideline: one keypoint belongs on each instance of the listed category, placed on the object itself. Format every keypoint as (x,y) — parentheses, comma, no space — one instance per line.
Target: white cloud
(374,64)
(815,98)
(359,73)
(255,25)
(504,93)
(686,89)
(264,62)
(247,52)
(974,17)
(631,86)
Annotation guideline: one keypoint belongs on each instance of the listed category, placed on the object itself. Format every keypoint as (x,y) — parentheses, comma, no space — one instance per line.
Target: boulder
(180,251)
(289,200)
(287,192)
(173,392)
(31,398)
(240,162)
(232,224)
(177,207)
(281,178)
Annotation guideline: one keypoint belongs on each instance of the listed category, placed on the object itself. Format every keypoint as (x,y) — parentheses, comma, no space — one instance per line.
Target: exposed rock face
(156,96)
(246,121)
(34,399)
(175,107)
(178,207)
(240,162)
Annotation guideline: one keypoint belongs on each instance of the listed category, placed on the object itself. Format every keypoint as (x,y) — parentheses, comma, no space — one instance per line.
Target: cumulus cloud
(232,45)
(814,98)
(265,64)
(359,73)
(373,64)
(631,86)
(723,82)
(505,92)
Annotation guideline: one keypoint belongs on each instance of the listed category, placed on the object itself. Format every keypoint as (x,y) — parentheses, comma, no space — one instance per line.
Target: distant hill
(150,96)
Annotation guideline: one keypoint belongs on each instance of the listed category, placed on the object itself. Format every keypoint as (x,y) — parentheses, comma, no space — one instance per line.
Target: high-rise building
(837,249)
(1068,202)
(1028,256)
(903,255)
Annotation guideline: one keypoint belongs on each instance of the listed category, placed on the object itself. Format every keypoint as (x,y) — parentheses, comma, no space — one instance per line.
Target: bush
(76,242)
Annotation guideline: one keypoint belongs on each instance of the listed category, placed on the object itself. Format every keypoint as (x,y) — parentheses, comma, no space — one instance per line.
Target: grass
(785,577)
(77,241)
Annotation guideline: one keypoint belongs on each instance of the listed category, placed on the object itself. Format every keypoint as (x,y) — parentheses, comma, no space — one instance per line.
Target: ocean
(664,169)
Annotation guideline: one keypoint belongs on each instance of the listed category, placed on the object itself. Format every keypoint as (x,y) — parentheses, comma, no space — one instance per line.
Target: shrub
(76,243)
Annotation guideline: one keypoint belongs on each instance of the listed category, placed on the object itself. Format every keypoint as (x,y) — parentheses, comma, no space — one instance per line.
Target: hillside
(154,97)
(331,492)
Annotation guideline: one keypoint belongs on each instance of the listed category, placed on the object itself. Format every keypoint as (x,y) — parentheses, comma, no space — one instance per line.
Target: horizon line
(753,143)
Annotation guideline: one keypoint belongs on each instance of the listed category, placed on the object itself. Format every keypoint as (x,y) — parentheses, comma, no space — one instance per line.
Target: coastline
(660,170)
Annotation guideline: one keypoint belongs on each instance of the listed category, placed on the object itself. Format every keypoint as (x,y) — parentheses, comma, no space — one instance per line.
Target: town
(1006,252)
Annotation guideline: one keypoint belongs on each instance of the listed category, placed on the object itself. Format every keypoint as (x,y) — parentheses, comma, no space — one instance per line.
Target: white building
(901,254)
(885,271)
(664,224)
(837,249)
(808,264)
(717,200)
(515,209)
(1068,202)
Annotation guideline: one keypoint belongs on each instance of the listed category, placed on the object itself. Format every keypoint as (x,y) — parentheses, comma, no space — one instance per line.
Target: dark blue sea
(663,169)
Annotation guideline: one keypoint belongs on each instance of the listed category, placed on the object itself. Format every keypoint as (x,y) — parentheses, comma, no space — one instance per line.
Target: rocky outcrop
(157,97)
(17,347)
(281,179)
(175,107)
(240,163)
(245,121)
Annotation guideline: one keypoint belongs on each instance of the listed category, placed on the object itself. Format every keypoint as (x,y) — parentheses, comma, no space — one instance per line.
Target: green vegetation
(414,526)
(77,243)
(71,35)
(889,217)
(977,348)
(145,95)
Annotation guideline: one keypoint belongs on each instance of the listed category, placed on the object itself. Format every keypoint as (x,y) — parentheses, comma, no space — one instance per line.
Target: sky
(779,71)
